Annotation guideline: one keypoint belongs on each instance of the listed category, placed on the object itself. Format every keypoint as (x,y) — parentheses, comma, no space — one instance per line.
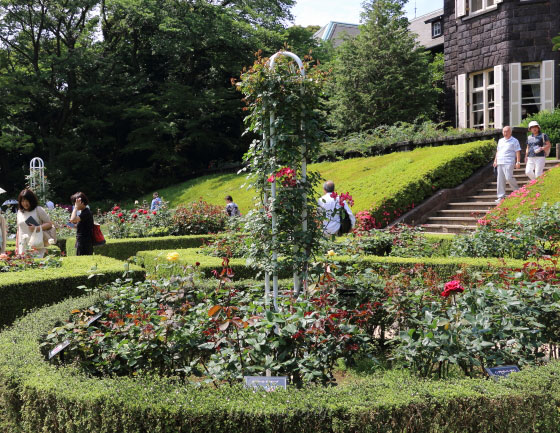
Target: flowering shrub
(199,218)
(138,222)
(527,236)
(10,262)
(173,328)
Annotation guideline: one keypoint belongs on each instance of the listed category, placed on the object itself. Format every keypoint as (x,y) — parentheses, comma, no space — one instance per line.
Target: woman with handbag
(84,224)
(538,148)
(32,221)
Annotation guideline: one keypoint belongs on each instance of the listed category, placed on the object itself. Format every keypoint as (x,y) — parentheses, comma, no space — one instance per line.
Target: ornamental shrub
(198,218)
(549,122)
(138,222)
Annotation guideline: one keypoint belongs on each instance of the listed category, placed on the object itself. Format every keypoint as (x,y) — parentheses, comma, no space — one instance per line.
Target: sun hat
(534,123)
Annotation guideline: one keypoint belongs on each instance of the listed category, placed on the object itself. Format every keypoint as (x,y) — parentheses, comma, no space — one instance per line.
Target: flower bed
(36,396)
(10,262)
(26,290)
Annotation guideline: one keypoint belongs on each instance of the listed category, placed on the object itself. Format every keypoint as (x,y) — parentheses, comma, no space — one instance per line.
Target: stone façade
(516,31)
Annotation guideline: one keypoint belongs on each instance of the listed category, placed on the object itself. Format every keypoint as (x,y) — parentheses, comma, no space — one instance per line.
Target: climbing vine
(282,111)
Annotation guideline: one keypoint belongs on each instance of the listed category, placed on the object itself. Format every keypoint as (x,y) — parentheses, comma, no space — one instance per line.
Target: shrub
(36,396)
(138,222)
(25,290)
(122,249)
(10,262)
(199,218)
(528,235)
(549,122)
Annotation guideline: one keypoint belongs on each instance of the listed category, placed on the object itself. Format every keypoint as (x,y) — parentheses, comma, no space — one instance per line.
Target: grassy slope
(546,189)
(367,179)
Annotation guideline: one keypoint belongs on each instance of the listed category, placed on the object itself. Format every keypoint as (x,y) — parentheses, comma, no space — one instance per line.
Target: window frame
(437,24)
(532,81)
(485,7)
(486,109)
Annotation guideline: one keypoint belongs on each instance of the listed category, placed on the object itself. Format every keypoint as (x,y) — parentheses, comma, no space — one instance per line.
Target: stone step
(470,213)
(495,184)
(472,205)
(490,196)
(451,220)
(446,228)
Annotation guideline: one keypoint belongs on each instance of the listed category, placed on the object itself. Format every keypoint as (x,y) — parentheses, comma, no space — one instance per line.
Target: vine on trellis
(282,105)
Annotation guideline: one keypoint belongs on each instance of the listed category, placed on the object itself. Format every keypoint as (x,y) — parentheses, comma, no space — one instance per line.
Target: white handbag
(36,239)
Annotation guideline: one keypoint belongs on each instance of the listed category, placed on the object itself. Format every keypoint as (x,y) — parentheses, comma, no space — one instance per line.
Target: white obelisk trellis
(271,142)
(37,174)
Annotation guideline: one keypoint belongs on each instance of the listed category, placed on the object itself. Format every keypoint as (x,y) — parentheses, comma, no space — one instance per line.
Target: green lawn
(369,180)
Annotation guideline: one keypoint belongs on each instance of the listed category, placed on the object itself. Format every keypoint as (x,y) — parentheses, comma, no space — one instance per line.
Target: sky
(320,12)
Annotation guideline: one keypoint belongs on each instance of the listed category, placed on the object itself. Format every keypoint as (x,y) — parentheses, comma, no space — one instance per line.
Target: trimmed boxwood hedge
(36,396)
(25,290)
(122,249)
(445,266)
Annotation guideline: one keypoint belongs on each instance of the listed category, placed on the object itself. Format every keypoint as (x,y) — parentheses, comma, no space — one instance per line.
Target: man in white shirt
(508,156)
(330,203)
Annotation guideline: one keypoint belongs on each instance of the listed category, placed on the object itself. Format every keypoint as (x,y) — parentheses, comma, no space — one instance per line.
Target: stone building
(499,63)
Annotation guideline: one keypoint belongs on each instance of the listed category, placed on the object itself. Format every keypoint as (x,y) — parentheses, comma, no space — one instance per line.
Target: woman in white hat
(538,145)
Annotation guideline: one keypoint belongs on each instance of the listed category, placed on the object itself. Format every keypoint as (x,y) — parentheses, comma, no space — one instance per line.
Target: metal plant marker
(271,144)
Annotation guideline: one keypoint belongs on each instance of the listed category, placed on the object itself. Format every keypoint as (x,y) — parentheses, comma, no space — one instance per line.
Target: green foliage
(199,218)
(36,396)
(176,329)
(527,236)
(528,198)
(14,263)
(139,222)
(380,140)
(29,289)
(499,323)
(282,105)
(129,96)
(550,125)
(381,76)
(155,263)
(122,249)
(400,177)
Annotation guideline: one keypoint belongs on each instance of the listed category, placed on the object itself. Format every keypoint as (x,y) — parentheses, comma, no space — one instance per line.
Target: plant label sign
(501,371)
(59,348)
(266,383)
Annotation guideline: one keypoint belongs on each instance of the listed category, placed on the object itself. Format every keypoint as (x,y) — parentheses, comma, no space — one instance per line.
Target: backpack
(345,223)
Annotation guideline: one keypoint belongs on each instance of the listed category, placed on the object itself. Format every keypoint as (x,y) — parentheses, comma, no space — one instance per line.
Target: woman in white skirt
(535,156)
(29,213)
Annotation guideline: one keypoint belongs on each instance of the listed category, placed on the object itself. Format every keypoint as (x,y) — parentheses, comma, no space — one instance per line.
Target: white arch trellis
(37,174)
(271,141)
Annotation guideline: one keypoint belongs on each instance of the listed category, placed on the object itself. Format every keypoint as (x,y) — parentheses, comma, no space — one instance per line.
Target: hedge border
(446,266)
(37,396)
(33,288)
(122,249)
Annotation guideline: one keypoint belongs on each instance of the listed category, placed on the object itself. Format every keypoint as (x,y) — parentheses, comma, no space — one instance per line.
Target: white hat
(534,123)
(2,191)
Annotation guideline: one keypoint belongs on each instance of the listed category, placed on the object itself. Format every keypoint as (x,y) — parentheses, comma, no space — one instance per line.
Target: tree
(382,76)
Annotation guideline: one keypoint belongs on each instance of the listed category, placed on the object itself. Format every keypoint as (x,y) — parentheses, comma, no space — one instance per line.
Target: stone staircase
(461,215)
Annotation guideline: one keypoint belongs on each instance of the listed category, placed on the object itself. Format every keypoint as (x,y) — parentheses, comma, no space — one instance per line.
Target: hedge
(36,396)
(445,266)
(122,249)
(25,290)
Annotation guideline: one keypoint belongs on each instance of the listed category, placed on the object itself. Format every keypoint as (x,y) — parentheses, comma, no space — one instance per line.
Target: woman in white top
(28,207)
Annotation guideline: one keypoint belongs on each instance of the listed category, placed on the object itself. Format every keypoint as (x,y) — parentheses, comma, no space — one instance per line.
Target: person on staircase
(508,156)
(538,145)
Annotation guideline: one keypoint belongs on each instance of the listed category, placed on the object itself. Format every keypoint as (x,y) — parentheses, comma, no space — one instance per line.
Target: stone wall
(517,31)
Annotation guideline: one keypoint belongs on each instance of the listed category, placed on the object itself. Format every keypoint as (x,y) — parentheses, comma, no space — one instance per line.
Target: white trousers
(505,174)
(535,166)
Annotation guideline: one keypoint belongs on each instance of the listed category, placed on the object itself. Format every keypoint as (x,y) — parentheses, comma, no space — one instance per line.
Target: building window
(482,97)
(530,89)
(480,5)
(436,29)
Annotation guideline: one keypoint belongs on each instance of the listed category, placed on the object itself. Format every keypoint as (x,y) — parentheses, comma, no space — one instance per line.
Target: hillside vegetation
(409,176)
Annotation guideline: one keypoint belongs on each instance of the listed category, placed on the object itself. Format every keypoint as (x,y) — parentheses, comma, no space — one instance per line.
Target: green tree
(382,76)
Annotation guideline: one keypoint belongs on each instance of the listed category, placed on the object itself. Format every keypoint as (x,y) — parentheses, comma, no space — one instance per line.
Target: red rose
(197,264)
(134,216)
(154,212)
(116,208)
(452,287)
(122,221)
(120,214)
(113,212)
(148,217)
